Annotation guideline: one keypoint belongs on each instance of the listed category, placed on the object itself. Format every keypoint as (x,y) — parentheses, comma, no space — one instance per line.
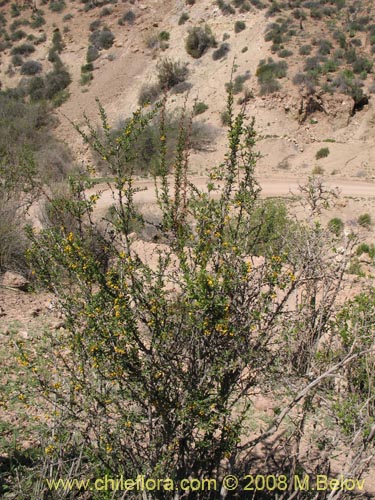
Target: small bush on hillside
(270,69)
(92,53)
(346,83)
(25,49)
(170,73)
(68,17)
(85,68)
(17,23)
(245,98)
(14,10)
(57,5)
(183,18)
(37,22)
(312,64)
(54,57)
(149,93)
(106,11)
(365,220)
(317,170)
(285,53)
(362,64)
(221,52)
(274,8)
(17,60)
(181,87)
(225,7)
(95,25)
(237,84)
(53,83)
(102,39)
(239,26)
(340,37)
(269,87)
(305,50)
(30,68)
(199,40)
(86,78)
(17,35)
(366,248)
(57,42)
(268,72)
(336,226)
(199,108)
(129,17)
(324,47)
(322,153)
(164,36)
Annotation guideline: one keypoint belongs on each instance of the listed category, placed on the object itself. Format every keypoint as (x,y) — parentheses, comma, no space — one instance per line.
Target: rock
(14,280)
(58,324)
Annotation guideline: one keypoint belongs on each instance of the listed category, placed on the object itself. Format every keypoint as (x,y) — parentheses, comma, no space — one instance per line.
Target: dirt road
(282,187)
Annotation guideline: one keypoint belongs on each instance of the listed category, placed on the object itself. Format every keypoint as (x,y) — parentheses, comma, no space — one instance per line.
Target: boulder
(14,280)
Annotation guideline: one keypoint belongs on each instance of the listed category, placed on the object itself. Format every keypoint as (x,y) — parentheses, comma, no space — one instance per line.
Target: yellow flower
(49,449)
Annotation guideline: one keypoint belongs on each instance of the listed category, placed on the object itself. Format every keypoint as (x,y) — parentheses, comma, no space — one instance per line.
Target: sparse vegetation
(25,49)
(183,18)
(336,226)
(226,8)
(365,220)
(283,53)
(31,68)
(164,36)
(92,53)
(106,11)
(57,5)
(38,21)
(102,39)
(221,52)
(322,153)
(199,108)
(199,40)
(129,17)
(305,50)
(317,170)
(170,73)
(268,72)
(239,26)
(149,93)
(237,83)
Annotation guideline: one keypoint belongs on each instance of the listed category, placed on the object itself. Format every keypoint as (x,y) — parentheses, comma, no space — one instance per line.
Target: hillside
(316,90)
